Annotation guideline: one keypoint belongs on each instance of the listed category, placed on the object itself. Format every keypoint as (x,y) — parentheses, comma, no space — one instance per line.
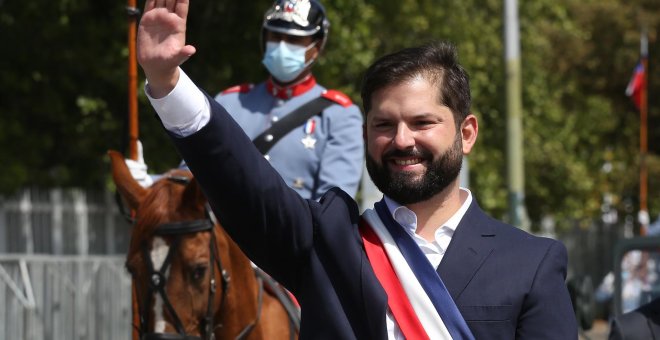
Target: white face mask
(285,61)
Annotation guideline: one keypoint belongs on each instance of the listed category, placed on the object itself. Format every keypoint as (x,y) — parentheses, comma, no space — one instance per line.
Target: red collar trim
(287,92)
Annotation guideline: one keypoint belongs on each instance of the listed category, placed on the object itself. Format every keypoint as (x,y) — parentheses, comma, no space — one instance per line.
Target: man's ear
(316,51)
(469,132)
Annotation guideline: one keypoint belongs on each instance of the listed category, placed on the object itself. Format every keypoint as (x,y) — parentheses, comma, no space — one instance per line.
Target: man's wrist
(160,85)
(184,109)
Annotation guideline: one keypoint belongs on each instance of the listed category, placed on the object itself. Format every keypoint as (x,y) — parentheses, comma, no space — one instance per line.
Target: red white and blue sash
(419,301)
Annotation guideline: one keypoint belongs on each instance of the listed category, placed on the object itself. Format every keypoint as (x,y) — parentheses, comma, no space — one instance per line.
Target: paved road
(599,331)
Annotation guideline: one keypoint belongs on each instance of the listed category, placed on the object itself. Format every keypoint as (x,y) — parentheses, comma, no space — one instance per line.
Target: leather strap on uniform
(397,300)
(272,135)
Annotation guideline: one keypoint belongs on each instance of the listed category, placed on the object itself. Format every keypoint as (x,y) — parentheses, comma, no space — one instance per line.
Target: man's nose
(404,137)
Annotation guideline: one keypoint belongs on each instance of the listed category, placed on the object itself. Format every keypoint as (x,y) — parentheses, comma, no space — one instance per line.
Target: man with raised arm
(425,263)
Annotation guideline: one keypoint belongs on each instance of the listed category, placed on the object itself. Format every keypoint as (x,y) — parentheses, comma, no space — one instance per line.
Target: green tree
(62,73)
(63,87)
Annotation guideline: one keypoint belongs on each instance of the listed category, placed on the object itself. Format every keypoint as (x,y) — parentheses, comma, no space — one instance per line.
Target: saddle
(283,296)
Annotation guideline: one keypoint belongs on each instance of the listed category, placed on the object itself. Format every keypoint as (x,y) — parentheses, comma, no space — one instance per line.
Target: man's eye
(382,125)
(424,123)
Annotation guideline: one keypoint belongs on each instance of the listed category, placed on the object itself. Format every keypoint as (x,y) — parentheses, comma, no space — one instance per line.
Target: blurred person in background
(642,323)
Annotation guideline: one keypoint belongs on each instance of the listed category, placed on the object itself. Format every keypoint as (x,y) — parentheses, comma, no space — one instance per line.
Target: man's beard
(402,188)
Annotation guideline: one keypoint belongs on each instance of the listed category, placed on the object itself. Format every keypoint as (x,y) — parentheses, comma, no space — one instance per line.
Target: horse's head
(174,255)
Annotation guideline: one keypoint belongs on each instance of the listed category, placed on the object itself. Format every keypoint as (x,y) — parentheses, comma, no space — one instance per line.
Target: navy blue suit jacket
(641,324)
(507,284)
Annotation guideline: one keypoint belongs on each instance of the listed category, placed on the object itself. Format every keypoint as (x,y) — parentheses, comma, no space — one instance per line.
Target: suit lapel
(471,244)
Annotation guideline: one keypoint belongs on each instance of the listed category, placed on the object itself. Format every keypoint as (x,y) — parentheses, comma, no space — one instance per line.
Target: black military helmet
(298,17)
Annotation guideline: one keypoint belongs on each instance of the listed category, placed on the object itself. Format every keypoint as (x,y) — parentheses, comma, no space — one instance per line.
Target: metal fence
(64,297)
(62,222)
(62,254)
(591,249)
(62,274)
(591,254)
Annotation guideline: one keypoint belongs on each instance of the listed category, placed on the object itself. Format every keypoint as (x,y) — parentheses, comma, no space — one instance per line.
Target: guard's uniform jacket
(327,151)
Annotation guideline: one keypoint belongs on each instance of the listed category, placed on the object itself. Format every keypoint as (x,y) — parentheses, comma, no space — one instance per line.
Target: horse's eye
(198,272)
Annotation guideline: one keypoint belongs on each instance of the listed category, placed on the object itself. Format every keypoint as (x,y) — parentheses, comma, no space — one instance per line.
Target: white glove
(138,168)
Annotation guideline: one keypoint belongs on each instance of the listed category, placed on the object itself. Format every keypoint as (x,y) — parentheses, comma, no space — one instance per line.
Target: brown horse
(190,279)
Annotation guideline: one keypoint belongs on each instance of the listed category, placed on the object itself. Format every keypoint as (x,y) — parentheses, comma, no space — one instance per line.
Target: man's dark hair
(437,62)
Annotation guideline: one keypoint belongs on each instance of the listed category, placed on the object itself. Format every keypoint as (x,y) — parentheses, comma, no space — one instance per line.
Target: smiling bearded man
(403,187)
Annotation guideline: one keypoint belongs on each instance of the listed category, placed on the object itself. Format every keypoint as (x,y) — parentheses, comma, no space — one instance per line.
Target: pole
(515,167)
(133,14)
(643,136)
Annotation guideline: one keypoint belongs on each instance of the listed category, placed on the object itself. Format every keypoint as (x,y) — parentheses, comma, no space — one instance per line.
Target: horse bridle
(158,279)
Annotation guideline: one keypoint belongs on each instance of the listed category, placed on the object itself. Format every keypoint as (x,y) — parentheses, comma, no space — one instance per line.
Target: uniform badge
(309,142)
(298,183)
(295,11)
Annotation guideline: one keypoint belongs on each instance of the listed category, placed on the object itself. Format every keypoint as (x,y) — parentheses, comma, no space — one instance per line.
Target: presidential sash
(420,285)
(401,308)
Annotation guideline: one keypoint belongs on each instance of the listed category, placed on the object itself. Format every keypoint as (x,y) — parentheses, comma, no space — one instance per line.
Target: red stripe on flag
(636,84)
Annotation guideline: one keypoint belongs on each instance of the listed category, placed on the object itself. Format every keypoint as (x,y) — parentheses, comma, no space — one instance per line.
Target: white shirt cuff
(183,111)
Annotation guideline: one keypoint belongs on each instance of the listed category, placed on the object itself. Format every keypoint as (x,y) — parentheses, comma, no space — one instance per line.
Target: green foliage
(581,132)
(59,88)
(63,95)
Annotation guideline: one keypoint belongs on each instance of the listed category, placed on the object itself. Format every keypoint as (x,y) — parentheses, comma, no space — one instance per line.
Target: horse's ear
(193,195)
(127,186)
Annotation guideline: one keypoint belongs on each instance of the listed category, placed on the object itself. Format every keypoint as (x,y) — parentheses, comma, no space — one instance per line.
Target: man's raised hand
(161,43)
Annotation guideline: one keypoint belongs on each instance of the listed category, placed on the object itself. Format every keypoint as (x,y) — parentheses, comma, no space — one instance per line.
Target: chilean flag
(636,84)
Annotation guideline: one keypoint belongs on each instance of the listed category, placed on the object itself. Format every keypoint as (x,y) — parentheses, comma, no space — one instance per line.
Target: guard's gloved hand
(138,168)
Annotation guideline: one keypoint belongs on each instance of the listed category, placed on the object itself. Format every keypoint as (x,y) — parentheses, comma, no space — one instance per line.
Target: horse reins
(158,279)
